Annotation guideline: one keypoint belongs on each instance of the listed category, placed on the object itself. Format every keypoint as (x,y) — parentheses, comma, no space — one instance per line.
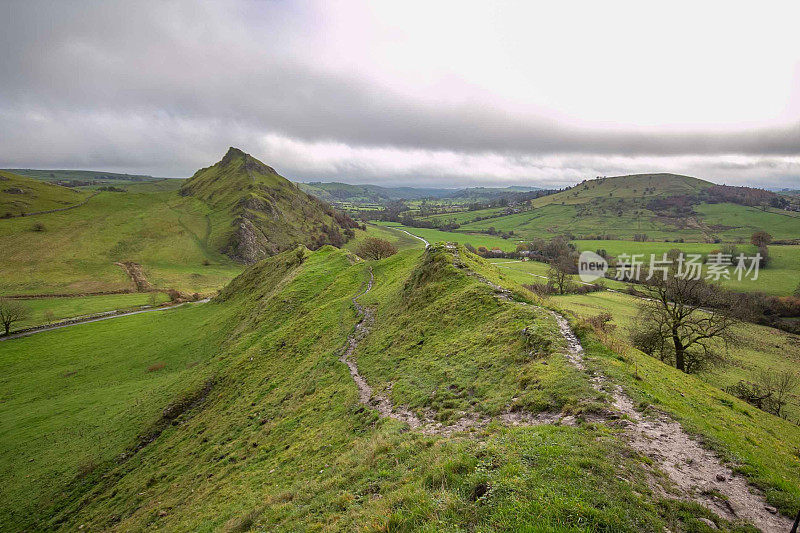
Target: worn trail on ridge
(697,473)
(369,398)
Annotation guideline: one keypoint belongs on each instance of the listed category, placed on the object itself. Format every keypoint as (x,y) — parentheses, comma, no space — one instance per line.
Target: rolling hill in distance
(19,194)
(660,206)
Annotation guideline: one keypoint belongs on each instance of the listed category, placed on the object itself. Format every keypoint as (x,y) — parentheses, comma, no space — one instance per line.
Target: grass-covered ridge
(444,345)
(257,212)
(266,430)
(280,440)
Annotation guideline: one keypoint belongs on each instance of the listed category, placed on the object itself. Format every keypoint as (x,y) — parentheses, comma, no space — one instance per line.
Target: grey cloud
(165,87)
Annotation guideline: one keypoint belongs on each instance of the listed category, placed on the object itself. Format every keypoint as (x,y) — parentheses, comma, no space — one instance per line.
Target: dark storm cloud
(163,87)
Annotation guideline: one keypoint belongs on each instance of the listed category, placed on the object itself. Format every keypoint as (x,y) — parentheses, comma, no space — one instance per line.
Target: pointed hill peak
(251,164)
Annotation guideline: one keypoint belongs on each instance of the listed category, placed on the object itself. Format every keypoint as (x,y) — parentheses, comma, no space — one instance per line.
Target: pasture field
(780,278)
(401,240)
(739,222)
(73,399)
(728,222)
(19,194)
(621,207)
(76,251)
(463,217)
(475,239)
(556,219)
(42,310)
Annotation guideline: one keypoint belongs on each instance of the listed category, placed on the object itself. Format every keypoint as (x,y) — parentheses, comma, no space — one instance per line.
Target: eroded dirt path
(365,393)
(135,272)
(698,473)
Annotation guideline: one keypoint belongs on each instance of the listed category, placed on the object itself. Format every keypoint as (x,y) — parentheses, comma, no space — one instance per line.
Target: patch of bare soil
(134,270)
(697,473)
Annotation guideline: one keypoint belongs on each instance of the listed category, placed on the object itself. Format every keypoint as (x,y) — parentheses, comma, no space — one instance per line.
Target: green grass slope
(281,442)
(259,213)
(75,252)
(19,195)
(635,186)
(67,411)
(267,432)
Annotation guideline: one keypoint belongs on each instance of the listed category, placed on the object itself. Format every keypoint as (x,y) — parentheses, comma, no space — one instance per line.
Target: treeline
(682,204)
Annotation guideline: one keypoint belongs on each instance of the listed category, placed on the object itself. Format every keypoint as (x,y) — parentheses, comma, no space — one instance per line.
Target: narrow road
(427,244)
(96,318)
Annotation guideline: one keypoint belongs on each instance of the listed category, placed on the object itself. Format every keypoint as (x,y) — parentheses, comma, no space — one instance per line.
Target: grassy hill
(178,231)
(19,195)
(76,250)
(662,206)
(239,414)
(258,213)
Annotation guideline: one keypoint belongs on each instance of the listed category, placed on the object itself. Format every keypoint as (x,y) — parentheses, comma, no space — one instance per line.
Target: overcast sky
(422,93)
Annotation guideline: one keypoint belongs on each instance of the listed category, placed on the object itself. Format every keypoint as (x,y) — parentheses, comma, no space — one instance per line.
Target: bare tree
(778,386)
(11,311)
(677,328)
(760,239)
(770,392)
(558,275)
(374,248)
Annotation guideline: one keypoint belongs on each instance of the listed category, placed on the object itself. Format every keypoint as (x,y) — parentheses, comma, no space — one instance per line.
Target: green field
(73,399)
(619,207)
(19,195)
(43,310)
(475,239)
(401,240)
(553,219)
(75,253)
(779,278)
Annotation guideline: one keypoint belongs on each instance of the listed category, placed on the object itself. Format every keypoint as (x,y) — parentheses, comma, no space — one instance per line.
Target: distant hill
(258,213)
(78,175)
(19,194)
(479,193)
(654,206)
(633,187)
(345,192)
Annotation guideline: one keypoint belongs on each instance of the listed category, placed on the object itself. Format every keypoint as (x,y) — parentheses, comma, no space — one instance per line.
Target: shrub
(536,344)
(760,239)
(374,248)
(541,289)
(38,227)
